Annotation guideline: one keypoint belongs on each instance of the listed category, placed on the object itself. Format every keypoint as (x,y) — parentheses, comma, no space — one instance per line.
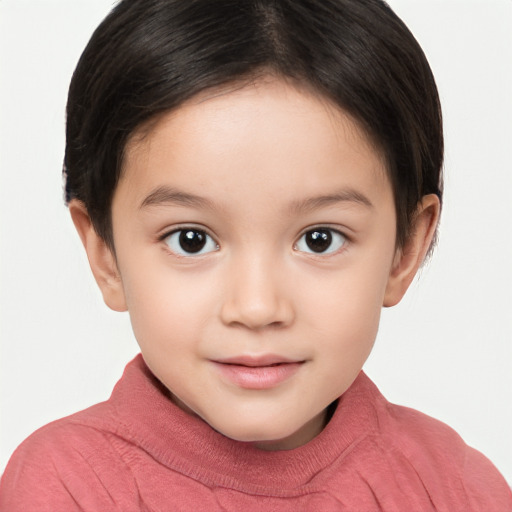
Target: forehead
(236,138)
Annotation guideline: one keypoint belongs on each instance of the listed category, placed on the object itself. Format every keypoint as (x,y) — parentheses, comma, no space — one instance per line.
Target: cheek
(345,309)
(167,308)
(345,332)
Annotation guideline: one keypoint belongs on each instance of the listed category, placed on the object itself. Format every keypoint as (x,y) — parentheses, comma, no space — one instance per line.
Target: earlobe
(410,257)
(101,258)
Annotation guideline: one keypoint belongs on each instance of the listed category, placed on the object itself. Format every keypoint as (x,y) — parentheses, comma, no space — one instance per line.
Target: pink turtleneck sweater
(139,452)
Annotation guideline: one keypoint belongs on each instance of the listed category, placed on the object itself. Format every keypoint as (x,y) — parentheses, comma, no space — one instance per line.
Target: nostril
(255,298)
(256,326)
(271,316)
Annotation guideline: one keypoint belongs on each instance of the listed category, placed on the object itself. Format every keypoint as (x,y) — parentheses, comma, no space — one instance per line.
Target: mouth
(258,361)
(261,372)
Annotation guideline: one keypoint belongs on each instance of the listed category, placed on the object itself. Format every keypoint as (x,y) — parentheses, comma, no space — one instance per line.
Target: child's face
(255,237)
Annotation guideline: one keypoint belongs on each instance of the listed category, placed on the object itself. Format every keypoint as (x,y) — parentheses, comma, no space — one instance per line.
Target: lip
(257,372)
(261,360)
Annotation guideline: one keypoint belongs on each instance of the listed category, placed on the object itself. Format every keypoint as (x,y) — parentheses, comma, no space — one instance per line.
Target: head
(253,181)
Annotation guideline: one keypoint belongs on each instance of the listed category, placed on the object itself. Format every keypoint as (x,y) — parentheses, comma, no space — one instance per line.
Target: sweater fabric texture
(139,452)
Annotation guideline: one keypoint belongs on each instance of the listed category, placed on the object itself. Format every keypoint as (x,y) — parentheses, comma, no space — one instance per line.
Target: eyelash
(181,232)
(326,236)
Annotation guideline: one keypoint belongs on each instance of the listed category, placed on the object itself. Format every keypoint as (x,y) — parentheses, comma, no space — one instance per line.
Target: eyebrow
(169,196)
(346,195)
(164,195)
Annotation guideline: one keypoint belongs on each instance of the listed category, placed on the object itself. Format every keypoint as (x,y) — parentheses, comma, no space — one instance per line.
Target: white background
(446,350)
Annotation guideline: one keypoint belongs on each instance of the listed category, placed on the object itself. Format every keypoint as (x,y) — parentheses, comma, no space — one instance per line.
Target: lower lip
(258,377)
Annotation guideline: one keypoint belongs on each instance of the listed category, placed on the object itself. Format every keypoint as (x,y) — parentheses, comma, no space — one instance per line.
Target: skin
(255,168)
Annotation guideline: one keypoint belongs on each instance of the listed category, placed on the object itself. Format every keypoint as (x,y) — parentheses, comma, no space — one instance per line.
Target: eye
(190,242)
(321,241)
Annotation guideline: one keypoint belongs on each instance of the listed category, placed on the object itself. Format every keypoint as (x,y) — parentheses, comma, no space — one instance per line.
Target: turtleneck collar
(147,417)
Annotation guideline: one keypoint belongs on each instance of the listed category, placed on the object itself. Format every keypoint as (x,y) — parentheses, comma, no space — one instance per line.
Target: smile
(257,372)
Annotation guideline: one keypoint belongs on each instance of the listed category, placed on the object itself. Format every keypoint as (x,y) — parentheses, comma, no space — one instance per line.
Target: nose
(257,296)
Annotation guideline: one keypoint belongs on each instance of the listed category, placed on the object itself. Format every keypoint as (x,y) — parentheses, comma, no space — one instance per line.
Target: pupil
(192,241)
(319,240)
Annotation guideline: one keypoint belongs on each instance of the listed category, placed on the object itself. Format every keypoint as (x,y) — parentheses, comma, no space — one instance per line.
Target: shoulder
(68,465)
(445,464)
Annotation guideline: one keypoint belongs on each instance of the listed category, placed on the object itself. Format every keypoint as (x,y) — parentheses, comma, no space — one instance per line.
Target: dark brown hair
(149,56)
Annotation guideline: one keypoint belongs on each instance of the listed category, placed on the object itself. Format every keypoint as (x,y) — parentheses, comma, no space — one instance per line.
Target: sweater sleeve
(67,468)
(486,488)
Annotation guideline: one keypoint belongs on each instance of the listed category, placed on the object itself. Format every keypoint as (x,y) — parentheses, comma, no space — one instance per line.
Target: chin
(275,438)
(254,435)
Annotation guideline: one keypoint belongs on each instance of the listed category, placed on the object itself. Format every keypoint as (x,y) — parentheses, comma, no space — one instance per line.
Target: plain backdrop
(445,350)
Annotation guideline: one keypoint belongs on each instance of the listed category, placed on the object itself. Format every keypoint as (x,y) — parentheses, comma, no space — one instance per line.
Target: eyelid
(190,227)
(329,227)
(324,227)
(168,231)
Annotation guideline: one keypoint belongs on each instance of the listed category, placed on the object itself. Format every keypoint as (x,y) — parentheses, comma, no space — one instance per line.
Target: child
(252,181)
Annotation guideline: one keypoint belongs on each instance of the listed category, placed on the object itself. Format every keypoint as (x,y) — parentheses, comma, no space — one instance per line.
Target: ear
(409,258)
(101,259)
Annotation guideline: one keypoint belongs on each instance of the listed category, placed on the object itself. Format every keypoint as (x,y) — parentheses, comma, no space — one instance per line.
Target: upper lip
(261,360)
